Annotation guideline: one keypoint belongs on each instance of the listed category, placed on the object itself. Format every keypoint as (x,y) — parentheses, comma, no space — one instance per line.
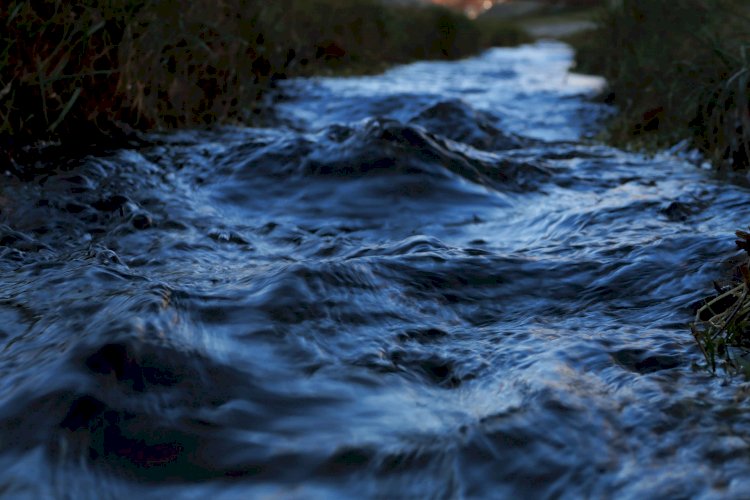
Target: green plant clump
(677,69)
(97,70)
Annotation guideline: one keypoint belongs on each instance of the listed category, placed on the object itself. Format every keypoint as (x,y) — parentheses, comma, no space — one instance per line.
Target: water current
(423,284)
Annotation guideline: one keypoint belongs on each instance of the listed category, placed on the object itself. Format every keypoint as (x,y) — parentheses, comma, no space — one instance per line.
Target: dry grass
(97,70)
(722,324)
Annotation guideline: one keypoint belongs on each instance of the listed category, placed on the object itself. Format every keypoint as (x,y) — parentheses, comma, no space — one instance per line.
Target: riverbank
(676,70)
(77,74)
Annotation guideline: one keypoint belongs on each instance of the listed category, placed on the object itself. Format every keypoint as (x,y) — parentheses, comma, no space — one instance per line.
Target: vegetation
(97,70)
(722,322)
(677,69)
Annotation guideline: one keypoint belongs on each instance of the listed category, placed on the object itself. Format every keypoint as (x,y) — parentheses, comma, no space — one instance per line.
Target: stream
(430,283)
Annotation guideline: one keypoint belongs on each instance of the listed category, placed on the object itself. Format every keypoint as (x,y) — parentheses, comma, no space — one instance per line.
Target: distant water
(424,284)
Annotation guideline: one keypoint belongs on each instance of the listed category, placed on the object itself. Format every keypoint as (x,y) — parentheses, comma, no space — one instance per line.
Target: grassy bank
(98,70)
(677,69)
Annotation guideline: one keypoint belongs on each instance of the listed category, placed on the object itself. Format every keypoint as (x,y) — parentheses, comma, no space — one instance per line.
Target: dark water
(424,284)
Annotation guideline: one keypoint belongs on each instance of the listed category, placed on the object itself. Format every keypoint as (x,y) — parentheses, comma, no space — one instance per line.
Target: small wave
(457,121)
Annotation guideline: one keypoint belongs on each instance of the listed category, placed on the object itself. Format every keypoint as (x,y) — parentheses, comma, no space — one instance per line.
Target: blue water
(425,284)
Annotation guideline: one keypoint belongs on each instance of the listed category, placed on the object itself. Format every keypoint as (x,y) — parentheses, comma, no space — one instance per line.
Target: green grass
(676,69)
(98,70)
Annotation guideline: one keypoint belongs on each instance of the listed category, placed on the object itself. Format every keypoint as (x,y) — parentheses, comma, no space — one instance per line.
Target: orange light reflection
(472,7)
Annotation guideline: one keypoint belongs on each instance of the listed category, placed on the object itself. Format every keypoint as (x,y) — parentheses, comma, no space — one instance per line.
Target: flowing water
(423,284)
